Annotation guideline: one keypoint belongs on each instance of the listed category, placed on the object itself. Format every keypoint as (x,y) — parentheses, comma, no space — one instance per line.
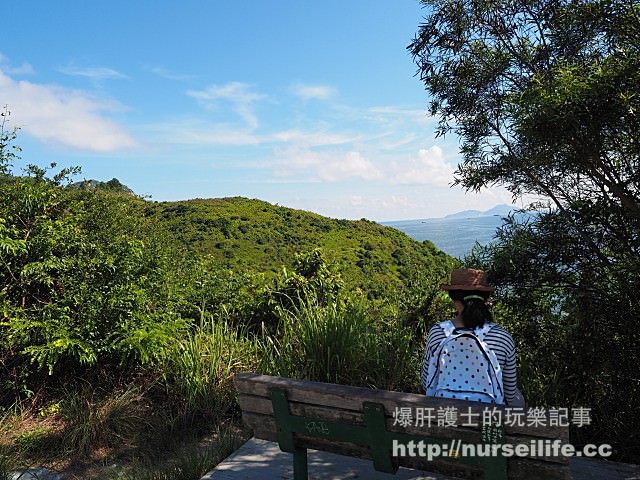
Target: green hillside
(256,236)
(113,305)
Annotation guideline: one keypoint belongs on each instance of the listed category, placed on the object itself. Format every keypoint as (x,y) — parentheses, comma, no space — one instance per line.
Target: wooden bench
(365,423)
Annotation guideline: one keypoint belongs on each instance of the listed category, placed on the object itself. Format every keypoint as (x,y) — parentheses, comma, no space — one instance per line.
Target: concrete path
(39,473)
(260,459)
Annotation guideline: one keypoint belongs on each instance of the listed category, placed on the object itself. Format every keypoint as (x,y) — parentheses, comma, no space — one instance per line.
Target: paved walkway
(260,459)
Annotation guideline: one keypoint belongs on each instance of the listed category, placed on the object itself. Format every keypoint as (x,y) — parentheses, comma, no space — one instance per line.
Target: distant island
(497,211)
(456,234)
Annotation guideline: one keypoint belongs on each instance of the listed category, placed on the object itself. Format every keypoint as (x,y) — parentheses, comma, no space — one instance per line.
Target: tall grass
(7,423)
(341,343)
(5,467)
(192,463)
(199,373)
(95,418)
(23,438)
(338,342)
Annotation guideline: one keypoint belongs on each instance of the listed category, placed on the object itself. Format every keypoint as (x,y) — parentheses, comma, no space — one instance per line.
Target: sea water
(455,236)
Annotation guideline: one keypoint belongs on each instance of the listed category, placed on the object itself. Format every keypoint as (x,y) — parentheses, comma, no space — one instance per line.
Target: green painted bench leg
(300,471)
(285,434)
(379,441)
(495,466)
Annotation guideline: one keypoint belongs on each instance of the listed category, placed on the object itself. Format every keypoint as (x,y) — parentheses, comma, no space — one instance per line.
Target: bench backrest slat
(349,398)
(344,404)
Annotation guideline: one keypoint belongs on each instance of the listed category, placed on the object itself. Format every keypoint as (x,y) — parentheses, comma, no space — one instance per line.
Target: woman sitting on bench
(470,357)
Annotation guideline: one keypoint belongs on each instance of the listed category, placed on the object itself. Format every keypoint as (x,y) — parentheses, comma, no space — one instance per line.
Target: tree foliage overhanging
(545,96)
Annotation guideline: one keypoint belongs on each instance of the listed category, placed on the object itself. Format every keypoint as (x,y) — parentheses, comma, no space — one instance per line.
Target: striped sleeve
(435,336)
(502,344)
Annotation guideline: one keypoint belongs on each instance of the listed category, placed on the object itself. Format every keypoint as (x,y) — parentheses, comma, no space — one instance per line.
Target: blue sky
(310,105)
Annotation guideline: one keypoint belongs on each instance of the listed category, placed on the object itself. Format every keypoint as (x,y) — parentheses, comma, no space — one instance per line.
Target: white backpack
(464,367)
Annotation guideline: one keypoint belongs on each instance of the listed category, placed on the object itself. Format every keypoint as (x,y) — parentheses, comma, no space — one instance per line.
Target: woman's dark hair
(475,312)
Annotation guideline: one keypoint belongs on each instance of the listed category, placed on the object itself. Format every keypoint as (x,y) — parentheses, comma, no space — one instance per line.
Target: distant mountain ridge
(497,211)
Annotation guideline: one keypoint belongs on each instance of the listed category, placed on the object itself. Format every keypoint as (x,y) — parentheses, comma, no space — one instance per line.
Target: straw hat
(469,279)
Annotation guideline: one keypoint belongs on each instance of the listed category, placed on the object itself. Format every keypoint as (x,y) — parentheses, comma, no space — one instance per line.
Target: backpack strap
(432,372)
(491,356)
(482,331)
(448,327)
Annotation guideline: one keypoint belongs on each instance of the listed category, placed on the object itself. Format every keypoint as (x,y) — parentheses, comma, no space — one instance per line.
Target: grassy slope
(257,236)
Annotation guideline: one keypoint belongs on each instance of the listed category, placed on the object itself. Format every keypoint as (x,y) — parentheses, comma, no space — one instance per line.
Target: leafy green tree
(8,151)
(544,97)
(543,94)
(312,279)
(84,282)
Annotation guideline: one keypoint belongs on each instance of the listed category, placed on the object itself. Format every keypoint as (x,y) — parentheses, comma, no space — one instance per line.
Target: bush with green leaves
(84,280)
(83,286)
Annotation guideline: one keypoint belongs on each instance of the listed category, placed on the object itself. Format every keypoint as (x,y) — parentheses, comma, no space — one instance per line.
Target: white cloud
(217,135)
(328,166)
(429,168)
(378,205)
(398,111)
(394,141)
(196,132)
(238,94)
(319,92)
(382,204)
(60,116)
(163,73)
(311,138)
(395,117)
(356,200)
(351,164)
(6,67)
(93,73)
